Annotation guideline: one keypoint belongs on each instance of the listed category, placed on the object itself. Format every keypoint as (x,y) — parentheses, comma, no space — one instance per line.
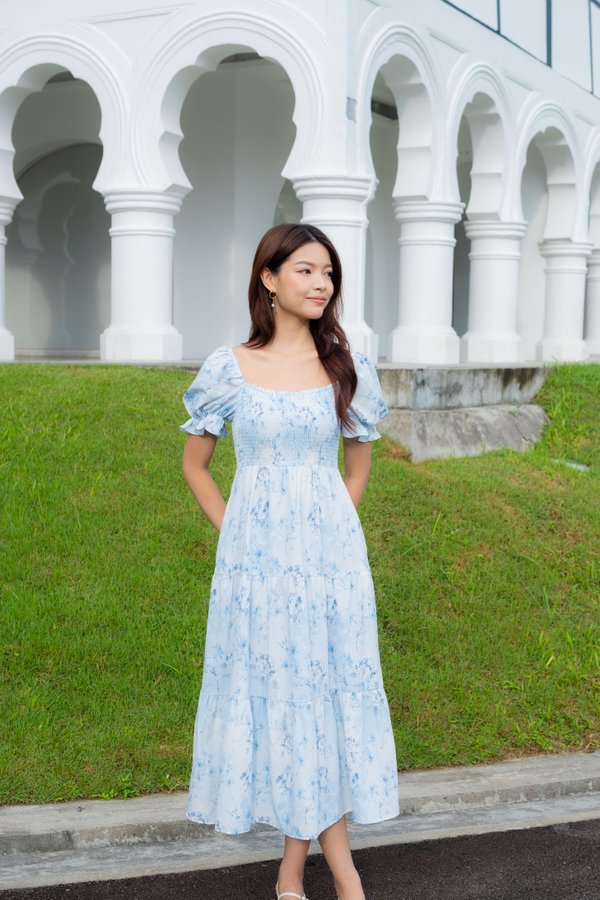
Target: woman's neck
(292,337)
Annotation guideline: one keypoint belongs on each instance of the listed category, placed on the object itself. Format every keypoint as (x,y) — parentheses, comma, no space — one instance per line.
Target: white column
(592,332)
(141,326)
(424,333)
(337,205)
(565,300)
(7,341)
(493,292)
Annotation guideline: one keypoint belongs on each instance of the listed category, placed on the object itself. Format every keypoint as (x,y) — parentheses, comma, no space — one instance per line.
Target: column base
(130,343)
(7,345)
(490,348)
(593,347)
(362,338)
(428,347)
(552,350)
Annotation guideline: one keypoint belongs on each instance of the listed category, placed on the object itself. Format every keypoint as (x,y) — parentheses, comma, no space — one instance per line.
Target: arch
(26,66)
(58,255)
(591,185)
(238,132)
(594,211)
(549,126)
(408,67)
(478,95)
(198,45)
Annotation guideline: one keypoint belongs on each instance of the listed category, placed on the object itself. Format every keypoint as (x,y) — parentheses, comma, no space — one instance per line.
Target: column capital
(143,201)
(593,265)
(448,213)
(554,247)
(489,228)
(7,209)
(142,212)
(359,188)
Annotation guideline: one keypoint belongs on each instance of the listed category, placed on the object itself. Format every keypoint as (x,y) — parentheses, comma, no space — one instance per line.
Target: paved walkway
(108,839)
(558,862)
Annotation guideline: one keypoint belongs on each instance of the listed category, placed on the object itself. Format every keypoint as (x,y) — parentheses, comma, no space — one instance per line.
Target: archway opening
(534,200)
(461,270)
(58,244)
(381,279)
(592,299)
(480,171)
(401,152)
(548,200)
(238,133)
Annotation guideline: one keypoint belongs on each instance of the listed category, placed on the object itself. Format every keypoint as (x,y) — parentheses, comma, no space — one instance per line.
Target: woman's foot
(289,881)
(350,888)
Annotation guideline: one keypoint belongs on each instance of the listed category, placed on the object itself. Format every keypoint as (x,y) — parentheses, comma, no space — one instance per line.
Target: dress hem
(199,820)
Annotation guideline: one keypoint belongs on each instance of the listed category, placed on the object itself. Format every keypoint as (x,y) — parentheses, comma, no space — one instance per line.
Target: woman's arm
(357,466)
(197,455)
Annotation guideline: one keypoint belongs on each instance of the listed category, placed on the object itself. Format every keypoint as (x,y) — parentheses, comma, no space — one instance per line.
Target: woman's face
(303,284)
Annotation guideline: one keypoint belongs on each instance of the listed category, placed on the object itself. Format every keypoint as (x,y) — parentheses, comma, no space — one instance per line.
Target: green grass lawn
(487,574)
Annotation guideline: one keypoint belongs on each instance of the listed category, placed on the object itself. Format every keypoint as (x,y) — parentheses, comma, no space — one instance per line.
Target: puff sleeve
(368,405)
(211,398)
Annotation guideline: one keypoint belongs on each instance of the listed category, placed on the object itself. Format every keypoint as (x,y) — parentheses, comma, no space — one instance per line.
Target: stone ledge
(435,433)
(456,387)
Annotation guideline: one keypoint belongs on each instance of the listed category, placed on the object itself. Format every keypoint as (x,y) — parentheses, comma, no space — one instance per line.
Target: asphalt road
(557,863)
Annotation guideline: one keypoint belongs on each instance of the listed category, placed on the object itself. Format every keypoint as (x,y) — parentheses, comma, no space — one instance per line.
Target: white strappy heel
(289,894)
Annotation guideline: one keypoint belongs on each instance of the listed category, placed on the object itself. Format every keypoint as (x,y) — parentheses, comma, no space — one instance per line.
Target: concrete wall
(217,120)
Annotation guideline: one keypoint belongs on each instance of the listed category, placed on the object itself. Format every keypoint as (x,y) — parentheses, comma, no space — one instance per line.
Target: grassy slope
(486,570)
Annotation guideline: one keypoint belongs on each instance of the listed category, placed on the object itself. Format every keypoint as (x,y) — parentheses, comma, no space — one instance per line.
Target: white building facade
(450,150)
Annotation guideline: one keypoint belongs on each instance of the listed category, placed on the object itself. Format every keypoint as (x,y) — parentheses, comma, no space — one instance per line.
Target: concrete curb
(160,818)
(98,840)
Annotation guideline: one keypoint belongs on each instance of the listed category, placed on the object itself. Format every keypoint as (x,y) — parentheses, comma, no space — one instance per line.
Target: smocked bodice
(286,428)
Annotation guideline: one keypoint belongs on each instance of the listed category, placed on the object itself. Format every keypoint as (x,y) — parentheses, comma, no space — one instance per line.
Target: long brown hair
(330,340)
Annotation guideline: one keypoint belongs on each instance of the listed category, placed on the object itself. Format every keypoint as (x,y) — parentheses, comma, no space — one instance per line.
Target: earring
(272,298)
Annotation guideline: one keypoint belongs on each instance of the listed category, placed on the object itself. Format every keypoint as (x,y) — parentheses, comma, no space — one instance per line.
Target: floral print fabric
(293,726)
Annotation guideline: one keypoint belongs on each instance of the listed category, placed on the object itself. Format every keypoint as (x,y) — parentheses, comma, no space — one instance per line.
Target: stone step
(160,818)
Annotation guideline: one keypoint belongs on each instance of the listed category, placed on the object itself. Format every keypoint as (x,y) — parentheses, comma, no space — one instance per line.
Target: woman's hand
(357,467)
(197,455)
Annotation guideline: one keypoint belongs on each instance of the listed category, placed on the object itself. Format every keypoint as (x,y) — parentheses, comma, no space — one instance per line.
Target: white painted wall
(238,134)
(484,10)
(204,280)
(571,40)
(525,24)
(264,138)
(595,22)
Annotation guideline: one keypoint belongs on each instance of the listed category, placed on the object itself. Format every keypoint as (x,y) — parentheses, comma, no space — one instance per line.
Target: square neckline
(258,387)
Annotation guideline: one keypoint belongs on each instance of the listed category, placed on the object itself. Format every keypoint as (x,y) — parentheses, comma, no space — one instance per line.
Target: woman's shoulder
(362,363)
(368,387)
(222,363)
(219,372)
(222,353)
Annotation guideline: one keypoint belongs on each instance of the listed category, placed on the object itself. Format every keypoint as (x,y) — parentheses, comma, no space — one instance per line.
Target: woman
(293,726)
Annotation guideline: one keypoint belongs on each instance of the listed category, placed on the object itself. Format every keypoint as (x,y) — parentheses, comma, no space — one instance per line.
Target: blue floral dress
(293,726)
